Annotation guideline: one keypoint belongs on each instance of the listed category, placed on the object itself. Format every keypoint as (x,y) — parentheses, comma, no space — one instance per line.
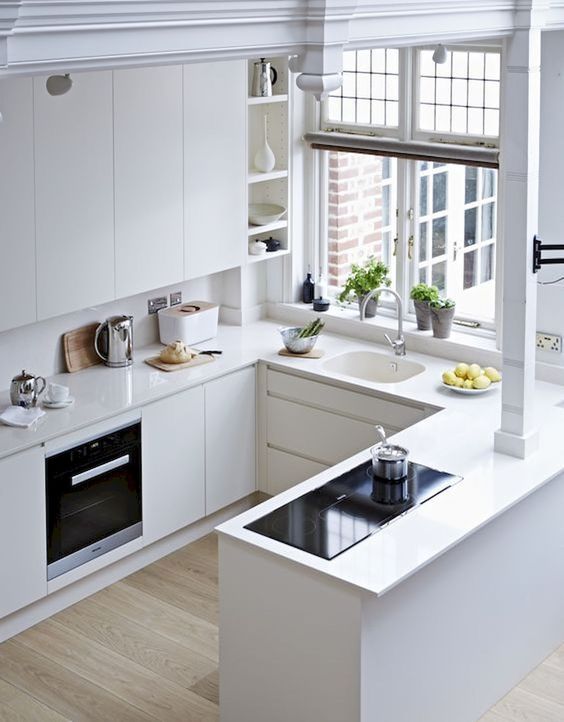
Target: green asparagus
(312,329)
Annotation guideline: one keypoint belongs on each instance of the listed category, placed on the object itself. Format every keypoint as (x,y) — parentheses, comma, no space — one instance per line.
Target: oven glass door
(88,505)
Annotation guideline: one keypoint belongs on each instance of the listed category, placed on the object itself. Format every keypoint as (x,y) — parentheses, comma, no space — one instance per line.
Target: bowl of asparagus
(301,339)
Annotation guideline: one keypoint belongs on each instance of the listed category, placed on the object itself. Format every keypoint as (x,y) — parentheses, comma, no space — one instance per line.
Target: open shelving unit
(273,186)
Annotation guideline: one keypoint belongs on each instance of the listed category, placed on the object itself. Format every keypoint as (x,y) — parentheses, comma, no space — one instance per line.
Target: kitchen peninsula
(430,618)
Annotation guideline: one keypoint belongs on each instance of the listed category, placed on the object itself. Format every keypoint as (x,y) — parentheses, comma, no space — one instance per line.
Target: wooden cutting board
(195,361)
(314,353)
(79,348)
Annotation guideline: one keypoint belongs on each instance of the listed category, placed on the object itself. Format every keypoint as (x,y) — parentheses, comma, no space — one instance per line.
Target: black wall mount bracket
(539,248)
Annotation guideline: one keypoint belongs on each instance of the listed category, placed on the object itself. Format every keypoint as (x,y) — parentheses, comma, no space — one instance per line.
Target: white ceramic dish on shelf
(261,214)
(470,392)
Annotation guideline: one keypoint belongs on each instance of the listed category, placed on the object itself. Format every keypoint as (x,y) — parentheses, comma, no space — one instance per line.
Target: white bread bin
(190,322)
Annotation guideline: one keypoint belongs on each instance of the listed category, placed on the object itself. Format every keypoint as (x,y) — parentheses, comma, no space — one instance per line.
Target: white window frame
(407,271)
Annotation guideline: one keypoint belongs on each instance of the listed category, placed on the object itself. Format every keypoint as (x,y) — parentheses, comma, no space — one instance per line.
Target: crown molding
(41,36)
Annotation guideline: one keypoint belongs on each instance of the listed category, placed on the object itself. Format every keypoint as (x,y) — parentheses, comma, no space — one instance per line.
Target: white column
(519,133)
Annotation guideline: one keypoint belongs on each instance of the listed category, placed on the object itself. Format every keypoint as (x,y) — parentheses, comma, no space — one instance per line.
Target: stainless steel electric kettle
(114,341)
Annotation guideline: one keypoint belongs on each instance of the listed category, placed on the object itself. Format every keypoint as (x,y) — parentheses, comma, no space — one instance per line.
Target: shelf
(268,99)
(266,256)
(257,230)
(255,176)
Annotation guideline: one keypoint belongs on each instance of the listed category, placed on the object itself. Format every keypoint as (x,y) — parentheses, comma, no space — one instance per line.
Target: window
(429,221)
(361,213)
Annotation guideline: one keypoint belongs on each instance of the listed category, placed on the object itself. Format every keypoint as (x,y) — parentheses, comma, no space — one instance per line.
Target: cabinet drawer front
(319,435)
(286,470)
(394,415)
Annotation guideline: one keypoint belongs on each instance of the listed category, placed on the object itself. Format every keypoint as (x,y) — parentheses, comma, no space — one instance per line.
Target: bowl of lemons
(471,379)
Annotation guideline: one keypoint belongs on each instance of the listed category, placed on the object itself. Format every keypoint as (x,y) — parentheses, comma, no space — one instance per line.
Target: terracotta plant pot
(441,320)
(423,315)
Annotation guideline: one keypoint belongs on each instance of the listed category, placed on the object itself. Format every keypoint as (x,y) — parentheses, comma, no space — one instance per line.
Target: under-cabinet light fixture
(440,55)
(58,84)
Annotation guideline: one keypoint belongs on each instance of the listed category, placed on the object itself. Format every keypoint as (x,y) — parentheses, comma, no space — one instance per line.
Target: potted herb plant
(442,314)
(363,279)
(422,295)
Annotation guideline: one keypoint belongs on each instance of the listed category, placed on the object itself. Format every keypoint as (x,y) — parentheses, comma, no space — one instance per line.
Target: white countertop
(457,439)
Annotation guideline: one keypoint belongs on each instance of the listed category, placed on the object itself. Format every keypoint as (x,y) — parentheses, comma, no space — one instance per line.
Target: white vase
(264,157)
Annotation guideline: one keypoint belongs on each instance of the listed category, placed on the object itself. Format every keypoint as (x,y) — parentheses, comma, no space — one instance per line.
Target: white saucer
(58,404)
(470,392)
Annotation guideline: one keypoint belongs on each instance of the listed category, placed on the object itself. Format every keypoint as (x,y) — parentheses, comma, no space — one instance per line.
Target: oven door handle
(98,470)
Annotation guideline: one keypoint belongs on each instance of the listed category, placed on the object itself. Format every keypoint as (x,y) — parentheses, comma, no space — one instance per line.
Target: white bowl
(261,214)
(470,392)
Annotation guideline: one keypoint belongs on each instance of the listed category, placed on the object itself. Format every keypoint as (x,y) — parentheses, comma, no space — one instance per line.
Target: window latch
(410,242)
(395,251)
(455,251)
(410,214)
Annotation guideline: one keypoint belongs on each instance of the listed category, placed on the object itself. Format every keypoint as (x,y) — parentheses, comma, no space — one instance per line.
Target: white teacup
(57,393)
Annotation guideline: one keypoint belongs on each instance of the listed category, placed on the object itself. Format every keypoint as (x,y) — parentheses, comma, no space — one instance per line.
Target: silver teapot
(264,77)
(25,389)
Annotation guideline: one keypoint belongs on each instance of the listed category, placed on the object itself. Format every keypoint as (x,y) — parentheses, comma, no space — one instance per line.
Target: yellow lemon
(481,382)
(474,371)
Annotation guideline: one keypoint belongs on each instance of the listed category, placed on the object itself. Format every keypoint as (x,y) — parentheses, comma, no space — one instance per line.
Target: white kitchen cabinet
(215,166)
(74,194)
(23,555)
(148,137)
(311,424)
(173,483)
(230,438)
(17,219)
(285,470)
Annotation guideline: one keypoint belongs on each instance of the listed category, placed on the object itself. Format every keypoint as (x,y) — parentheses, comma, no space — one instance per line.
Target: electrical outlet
(175,298)
(155,304)
(549,342)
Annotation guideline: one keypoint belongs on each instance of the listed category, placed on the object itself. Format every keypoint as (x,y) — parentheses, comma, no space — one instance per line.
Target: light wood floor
(146,648)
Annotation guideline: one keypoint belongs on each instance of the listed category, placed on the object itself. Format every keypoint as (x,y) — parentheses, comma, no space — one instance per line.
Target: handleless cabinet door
(230,438)
(23,555)
(215,191)
(173,484)
(74,194)
(17,215)
(148,178)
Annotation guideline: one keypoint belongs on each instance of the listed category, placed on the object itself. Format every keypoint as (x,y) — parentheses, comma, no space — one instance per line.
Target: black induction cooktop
(346,510)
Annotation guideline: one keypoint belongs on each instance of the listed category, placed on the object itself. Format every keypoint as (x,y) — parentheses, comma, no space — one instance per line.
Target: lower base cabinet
(173,486)
(230,438)
(311,425)
(23,555)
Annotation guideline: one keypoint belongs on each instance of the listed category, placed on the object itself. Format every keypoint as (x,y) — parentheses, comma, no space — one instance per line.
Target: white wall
(37,347)
(550,309)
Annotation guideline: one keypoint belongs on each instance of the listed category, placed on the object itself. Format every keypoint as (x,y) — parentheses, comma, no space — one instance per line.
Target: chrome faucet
(397,344)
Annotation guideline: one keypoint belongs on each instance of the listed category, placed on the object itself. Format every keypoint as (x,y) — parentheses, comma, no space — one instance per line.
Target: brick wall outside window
(355,211)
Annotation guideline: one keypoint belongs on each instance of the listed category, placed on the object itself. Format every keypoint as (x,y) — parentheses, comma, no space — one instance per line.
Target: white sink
(371,366)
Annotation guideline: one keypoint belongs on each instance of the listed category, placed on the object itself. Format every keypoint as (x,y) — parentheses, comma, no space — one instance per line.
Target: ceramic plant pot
(441,320)
(371,306)
(423,315)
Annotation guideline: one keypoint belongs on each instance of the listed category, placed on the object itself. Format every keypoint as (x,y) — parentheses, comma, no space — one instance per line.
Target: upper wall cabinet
(148,136)
(74,194)
(215,166)
(17,222)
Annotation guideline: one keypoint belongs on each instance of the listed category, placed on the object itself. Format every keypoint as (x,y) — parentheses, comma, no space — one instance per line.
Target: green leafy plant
(443,303)
(423,292)
(364,278)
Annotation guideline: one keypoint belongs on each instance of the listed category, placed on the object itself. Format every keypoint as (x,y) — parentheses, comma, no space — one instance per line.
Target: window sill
(478,346)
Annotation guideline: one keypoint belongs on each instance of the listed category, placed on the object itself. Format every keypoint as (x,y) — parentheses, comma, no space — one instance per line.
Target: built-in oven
(93,496)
